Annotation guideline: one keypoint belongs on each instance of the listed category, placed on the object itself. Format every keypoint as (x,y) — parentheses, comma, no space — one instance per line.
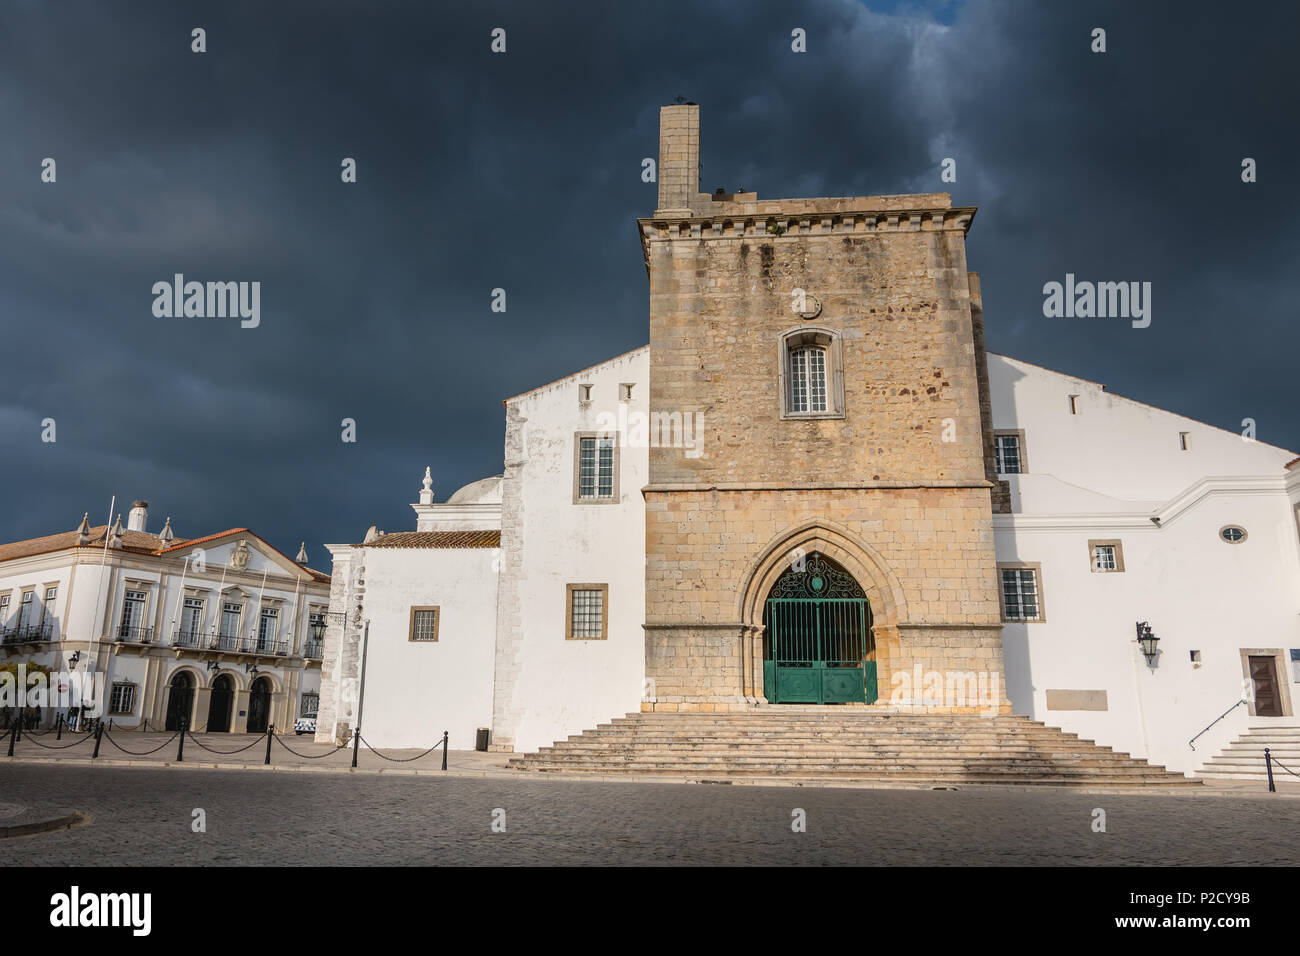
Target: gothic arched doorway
(223,699)
(259,706)
(817,641)
(180,700)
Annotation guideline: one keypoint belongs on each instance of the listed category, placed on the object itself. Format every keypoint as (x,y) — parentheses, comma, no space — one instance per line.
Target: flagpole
(103,558)
(259,599)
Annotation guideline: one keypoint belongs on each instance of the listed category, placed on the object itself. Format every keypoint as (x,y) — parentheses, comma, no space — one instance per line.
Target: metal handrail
(186,638)
(1192,743)
(135,635)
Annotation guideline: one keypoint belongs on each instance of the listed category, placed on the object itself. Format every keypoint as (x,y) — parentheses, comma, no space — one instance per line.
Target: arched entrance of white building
(180,700)
(223,700)
(259,705)
(817,640)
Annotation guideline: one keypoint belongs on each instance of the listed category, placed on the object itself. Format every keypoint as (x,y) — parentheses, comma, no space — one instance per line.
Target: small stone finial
(166,535)
(426,496)
(117,533)
(83,529)
(302,553)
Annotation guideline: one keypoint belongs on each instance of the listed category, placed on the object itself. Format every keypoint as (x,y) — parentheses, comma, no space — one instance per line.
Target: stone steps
(1243,758)
(842,745)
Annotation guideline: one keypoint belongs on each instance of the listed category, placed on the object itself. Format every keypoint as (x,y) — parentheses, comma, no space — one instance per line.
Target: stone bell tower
(831,352)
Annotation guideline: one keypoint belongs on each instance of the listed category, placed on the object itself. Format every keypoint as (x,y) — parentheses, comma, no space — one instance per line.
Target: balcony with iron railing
(233,644)
(223,642)
(184,638)
(28,633)
(265,647)
(127,634)
(313,650)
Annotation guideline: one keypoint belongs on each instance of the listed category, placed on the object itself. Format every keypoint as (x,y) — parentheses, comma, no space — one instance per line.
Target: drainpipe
(1137,694)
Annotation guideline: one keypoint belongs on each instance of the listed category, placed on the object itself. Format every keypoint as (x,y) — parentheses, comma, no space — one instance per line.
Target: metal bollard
(356,742)
(13,731)
(1268,765)
(444,750)
(180,747)
(270,729)
(58,727)
(99,733)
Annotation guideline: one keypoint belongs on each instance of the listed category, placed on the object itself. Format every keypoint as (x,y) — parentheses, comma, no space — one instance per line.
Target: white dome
(482,492)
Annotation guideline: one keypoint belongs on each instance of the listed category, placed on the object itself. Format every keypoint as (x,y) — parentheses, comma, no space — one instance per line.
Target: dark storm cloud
(522,171)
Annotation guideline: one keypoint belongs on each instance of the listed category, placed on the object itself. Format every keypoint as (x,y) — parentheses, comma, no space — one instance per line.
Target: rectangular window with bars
(310,705)
(1010,459)
(808,380)
(121,699)
(1020,594)
(424,624)
(596,467)
(1107,556)
(587,612)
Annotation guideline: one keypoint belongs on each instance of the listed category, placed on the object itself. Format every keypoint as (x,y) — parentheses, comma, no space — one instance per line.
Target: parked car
(306,724)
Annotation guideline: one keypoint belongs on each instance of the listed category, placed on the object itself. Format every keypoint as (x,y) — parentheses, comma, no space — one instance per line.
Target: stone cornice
(800,224)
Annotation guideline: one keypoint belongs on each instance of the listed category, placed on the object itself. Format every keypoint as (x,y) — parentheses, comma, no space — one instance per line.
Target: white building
(1125,513)
(223,631)
(1121,513)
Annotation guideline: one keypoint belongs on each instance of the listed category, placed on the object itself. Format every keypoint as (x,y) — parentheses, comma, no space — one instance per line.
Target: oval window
(1232,534)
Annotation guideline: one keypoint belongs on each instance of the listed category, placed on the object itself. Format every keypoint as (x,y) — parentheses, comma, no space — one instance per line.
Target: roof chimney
(679,158)
(138,516)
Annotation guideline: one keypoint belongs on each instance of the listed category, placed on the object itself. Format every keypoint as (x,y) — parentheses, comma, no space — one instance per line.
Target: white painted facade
(1115,469)
(1099,467)
(547,687)
(121,612)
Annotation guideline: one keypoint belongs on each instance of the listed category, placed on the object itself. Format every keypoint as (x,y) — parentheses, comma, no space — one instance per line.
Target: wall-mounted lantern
(1148,642)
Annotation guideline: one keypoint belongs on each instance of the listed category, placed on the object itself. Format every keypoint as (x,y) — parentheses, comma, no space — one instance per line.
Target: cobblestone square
(142,816)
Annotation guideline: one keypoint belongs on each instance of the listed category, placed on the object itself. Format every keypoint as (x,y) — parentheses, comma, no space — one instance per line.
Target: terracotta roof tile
(438,539)
(134,541)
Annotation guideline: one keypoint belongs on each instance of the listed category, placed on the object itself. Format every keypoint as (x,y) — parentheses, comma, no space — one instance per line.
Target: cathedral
(816,492)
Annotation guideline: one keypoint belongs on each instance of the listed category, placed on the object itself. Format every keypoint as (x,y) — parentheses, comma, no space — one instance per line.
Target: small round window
(1232,534)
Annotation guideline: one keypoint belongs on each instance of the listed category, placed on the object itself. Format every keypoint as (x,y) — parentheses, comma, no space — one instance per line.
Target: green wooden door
(817,638)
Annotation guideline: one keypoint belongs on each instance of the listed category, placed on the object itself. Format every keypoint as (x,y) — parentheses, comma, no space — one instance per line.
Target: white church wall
(562,687)
(1113,446)
(1196,591)
(414,690)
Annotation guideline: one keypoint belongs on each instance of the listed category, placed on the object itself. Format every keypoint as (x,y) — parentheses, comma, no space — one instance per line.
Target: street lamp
(1147,641)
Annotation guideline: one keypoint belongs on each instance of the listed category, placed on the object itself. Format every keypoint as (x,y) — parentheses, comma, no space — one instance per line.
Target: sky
(521,171)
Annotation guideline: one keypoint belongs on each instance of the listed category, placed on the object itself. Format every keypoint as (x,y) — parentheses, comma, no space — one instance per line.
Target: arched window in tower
(812,374)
